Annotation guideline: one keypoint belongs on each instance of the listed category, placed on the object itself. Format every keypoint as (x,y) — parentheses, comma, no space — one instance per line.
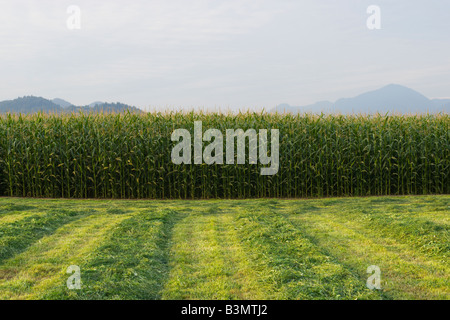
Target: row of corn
(129,156)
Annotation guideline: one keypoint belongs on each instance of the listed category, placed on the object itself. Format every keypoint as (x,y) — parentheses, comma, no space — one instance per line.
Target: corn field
(129,156)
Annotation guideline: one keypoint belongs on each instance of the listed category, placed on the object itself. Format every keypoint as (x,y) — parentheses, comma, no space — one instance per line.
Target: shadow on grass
(9,208)
(384,200)
(16,237)
(132,263)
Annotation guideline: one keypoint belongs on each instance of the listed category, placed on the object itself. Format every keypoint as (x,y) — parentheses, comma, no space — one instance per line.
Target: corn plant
(128,156)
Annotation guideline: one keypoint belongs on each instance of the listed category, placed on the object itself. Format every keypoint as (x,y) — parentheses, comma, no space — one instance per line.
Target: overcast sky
(227,54)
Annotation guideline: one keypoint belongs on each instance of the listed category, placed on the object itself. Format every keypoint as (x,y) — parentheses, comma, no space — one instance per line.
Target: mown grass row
(19,234)
(236,249)
(41,268)
(293,266)
(129,156)
(400,235)
(131,263)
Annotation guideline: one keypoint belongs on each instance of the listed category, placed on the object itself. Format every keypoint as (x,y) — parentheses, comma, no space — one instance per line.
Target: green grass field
(226,249)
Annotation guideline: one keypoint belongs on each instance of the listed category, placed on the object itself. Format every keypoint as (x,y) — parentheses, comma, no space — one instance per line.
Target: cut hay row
(248,249)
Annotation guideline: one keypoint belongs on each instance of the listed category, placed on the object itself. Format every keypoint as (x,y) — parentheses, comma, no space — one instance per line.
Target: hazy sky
(228,54)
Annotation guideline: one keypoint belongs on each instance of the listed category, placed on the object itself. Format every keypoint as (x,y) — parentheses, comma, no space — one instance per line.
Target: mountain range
(392,98)
(32,104)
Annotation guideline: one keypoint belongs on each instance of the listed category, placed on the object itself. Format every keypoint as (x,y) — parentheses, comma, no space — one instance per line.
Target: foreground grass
(230,249)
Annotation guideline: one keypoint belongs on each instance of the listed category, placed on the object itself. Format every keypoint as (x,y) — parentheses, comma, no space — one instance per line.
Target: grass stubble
(226,249)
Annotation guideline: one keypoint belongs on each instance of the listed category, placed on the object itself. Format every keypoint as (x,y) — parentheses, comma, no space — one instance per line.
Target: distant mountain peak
(96,103)
(398,88)
(32,104)
(395,85)
(62,103)
(392,98)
